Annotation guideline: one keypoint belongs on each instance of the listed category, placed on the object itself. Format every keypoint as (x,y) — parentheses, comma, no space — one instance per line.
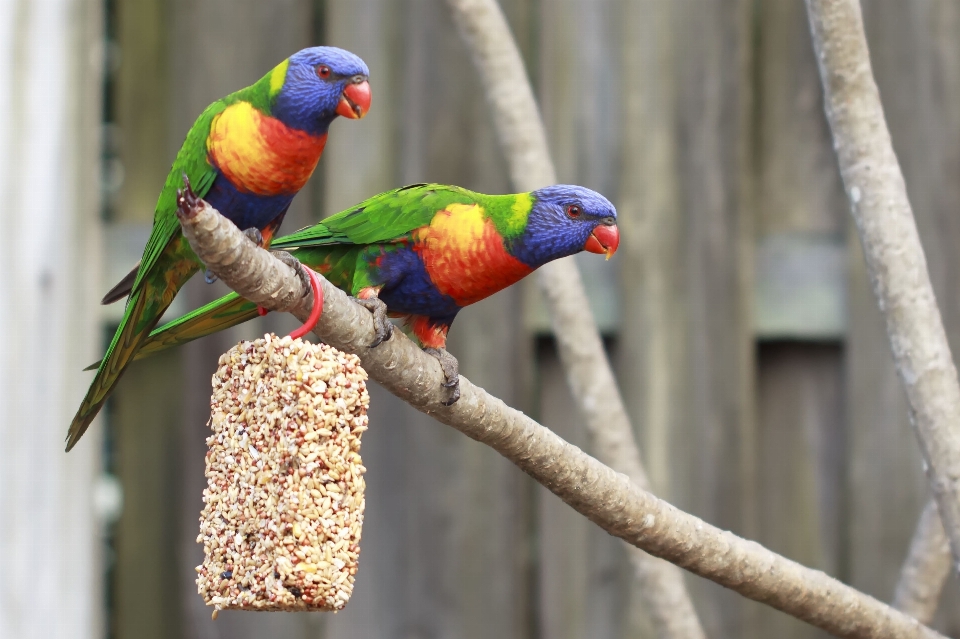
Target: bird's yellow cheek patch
(464,255)
(261,155)
(278,76)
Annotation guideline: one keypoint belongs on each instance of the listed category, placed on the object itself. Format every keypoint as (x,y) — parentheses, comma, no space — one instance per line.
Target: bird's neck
(538,246)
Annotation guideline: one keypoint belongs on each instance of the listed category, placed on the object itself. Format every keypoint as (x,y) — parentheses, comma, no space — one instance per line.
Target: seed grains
(284,500)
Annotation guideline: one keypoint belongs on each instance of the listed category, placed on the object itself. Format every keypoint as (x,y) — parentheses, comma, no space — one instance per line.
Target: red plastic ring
(317,306)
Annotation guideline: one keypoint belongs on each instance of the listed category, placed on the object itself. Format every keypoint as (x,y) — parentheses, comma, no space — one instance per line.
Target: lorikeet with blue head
(424,252)
(248,155)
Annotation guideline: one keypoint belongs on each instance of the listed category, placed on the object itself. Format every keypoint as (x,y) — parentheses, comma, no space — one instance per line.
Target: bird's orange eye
(323,71)
(574,211)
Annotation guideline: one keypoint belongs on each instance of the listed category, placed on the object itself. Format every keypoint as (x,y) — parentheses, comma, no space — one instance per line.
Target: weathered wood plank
(583,573)
(141,102)
(583,577)
(801,455)
(651,353)
(144,425)
(800,287)
(687,362)
(800,228)
(50,75)
(143,421)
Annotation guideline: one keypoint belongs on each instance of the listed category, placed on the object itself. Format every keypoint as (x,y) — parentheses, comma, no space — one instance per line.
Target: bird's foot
(254,235)
(381,323)
(209,276)
(295,264)
(188,204)
(451,371)
(290,261)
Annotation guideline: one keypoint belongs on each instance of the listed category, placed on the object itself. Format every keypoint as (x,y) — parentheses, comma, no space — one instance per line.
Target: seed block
(283,507)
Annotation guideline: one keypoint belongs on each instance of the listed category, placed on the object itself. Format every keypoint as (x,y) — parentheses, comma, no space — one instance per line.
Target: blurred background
(737,312)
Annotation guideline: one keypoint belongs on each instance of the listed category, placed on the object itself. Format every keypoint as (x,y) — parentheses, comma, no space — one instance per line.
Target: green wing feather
(218,315)
(387,217)
(221,314)
(192,161)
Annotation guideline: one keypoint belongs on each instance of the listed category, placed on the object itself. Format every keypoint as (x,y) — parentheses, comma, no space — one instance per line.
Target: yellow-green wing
(192,161)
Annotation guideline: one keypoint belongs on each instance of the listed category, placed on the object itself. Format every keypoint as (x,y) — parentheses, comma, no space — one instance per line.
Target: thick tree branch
(926,569)
(609,499)
(891,245)
(520,131)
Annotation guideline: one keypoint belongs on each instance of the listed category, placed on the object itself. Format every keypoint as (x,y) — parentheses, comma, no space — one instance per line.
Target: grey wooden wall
(50,515)
(747,343)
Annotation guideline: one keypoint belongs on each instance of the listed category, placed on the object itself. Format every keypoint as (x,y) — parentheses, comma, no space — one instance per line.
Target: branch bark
(609,499)
(521,134)
(891,245)
(926,569)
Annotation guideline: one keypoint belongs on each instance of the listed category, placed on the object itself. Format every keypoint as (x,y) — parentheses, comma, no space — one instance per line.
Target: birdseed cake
(283,507)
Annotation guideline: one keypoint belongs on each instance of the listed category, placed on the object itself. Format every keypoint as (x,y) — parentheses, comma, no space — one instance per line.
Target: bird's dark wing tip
(122,288)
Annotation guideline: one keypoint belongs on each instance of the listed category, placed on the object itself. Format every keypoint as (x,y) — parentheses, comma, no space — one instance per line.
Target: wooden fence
(748,345)
(50,534)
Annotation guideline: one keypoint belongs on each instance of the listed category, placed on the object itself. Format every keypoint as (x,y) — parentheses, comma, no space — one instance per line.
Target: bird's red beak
(355,101)
(604,240)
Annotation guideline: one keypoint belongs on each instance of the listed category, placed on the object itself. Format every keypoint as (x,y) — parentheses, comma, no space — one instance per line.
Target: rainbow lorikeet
(425,251)
(248,155)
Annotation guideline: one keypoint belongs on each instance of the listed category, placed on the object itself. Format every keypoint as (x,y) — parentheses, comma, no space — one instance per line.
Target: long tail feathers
(226,312)
(219,315)
(126,342)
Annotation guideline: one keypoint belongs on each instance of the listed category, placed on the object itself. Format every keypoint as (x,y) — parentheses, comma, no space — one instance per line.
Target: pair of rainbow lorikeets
(421,252)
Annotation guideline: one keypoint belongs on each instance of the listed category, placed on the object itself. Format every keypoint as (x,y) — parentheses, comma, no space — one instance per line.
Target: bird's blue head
(315,85)
(565,220)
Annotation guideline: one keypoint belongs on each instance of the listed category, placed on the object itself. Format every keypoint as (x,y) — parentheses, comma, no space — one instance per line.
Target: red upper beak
(355,101)
(604,240)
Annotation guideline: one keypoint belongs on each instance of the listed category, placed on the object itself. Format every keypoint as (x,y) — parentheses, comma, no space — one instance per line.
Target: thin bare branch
(520,131)
(609,499)
(926,569)
(891,245)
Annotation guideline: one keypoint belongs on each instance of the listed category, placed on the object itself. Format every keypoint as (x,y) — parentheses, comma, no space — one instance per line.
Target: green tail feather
(226,312)
(126,341)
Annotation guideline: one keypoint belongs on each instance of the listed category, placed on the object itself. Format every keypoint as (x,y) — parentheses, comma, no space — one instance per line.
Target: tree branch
(607,498)
(926,569)
(891,245)
(520,130)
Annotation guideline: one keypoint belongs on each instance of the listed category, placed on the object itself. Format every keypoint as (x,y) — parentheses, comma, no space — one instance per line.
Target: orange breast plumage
(261,155)
(464,255)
